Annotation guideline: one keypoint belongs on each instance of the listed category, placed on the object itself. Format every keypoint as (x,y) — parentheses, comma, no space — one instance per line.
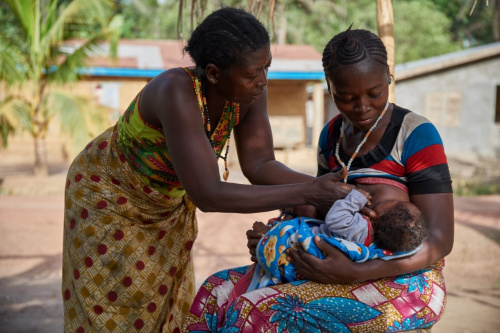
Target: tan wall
(286,98)
(126,90)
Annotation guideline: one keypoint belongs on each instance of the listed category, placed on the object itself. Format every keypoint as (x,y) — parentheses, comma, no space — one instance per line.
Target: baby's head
(399,226)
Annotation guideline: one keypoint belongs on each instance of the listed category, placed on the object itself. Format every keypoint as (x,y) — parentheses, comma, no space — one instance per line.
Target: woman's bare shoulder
(174,79)
(164,91)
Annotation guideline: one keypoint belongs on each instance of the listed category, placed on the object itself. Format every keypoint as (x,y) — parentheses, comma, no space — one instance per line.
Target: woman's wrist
(358,272)
(286,214)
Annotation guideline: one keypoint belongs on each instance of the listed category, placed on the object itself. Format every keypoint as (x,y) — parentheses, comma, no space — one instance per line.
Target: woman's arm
(254,143)
(337,268)
(170,98)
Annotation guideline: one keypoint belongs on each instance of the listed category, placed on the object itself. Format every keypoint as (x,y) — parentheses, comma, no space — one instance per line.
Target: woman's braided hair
(223,37)
(352,46)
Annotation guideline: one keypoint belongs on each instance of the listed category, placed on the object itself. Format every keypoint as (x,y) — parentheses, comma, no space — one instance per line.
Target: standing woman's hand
(329,188)
(326,190)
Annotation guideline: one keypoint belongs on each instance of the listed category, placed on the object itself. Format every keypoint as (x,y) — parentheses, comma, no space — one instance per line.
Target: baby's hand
(367,196)
(260,227)
(349,187)
(254,235)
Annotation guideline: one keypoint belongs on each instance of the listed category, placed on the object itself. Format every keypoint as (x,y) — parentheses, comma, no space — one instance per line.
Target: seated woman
(371,140)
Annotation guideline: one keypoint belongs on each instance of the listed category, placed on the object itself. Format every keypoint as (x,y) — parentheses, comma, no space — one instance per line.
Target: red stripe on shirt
(425,158)
(390,167)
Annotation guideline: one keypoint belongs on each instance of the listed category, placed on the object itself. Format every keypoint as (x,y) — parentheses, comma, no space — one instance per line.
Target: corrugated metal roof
(445,61)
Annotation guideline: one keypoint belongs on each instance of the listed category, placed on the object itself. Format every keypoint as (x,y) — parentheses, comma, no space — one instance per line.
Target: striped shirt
(410,152)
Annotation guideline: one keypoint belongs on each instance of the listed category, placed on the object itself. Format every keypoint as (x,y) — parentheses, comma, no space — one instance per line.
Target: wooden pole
(385,26)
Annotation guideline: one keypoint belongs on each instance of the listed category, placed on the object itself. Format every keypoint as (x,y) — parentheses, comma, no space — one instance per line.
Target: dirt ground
(31,232)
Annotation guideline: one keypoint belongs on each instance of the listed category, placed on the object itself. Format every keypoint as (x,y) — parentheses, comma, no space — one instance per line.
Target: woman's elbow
(205,201)
(447,247)
(205,205)
(443,246)
(250,174)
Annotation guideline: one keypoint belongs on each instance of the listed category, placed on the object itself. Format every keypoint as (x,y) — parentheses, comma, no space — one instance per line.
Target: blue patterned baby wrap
(296,233)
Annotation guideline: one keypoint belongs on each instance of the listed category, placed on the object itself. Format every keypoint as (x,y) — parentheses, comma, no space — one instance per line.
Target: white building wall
(471,131)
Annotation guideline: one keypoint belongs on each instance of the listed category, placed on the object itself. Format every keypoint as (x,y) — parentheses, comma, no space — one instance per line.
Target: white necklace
(342,134)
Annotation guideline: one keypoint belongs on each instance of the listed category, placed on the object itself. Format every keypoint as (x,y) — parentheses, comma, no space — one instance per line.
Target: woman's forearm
(238,198)
(430,253)
(274,173)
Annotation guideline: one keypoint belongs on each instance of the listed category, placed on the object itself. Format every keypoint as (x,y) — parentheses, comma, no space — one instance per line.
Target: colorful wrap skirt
(127,259)
(395,304)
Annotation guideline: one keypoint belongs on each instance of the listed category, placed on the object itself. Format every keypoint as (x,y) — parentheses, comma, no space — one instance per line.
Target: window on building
(444,108)
(108,94)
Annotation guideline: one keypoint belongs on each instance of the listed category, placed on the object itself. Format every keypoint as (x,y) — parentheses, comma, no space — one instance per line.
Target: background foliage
(423,28)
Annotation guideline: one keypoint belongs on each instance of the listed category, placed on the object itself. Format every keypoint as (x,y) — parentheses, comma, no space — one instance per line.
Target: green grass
(472,188)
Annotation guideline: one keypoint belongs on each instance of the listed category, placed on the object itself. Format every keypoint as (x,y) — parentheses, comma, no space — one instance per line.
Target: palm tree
(34,60)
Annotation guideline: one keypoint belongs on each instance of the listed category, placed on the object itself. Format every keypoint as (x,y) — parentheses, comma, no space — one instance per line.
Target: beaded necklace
(209,130)
(342,134)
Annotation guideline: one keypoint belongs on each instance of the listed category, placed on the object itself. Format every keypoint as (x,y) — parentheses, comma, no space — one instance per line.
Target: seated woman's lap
(404,302)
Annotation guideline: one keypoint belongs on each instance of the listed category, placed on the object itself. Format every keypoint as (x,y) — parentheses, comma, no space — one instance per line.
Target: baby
(399,225)
(398,228)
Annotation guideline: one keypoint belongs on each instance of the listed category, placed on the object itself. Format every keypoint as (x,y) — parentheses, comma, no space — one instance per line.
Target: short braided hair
(353,46)
(223,37)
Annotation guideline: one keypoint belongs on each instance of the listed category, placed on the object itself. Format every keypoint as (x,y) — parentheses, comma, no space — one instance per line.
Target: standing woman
(377,142)
(131,194)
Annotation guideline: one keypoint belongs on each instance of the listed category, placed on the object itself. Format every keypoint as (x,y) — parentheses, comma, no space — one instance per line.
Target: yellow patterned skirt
(127,259)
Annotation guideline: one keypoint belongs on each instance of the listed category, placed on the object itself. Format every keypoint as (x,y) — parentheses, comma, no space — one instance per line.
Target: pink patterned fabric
(400,303)
(376,180)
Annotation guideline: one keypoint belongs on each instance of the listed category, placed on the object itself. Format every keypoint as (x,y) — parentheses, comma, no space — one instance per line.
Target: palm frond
(67,71)
(6,130)
(31,56)
(15,115)
(24,11)
(81,118)
(8,122)
(12,61)
(87,16)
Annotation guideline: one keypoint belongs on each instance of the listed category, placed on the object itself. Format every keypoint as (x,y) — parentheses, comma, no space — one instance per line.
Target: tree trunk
(385,26)
(41,165)
(496,23)
(281,38)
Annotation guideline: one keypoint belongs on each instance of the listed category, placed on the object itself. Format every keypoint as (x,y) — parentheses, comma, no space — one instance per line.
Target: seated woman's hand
(253,237)
(335,268)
